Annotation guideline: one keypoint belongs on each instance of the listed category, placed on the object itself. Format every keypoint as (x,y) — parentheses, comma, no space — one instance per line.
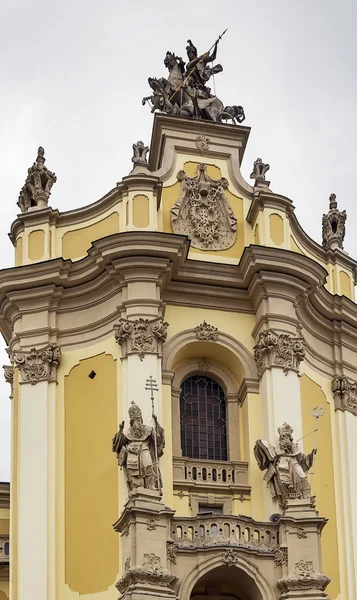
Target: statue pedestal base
(145,528)
(300,533)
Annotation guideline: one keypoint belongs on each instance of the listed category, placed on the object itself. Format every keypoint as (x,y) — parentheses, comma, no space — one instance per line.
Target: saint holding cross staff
(139,448)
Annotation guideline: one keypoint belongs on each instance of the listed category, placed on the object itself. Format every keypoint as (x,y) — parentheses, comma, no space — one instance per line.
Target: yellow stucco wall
(75,243)
(276,229)
(36,244)
(141,217)
(91,476)
(345,284)
(18,252)
(323,478)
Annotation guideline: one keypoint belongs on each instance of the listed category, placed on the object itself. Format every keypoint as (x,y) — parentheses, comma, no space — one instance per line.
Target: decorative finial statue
(333,226)
(37,187)
(185,93)
(286,466)
(140,152)
(259,170)
(138,450)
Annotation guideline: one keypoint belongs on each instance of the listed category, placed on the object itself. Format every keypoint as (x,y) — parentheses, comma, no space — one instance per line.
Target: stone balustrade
(191,473)
(219,530)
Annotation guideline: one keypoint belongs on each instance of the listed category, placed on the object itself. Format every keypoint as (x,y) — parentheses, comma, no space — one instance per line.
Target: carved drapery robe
(286,472)
(135,450)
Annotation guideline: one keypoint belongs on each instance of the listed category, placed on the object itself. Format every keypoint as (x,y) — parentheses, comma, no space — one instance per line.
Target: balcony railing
(208,531)
(205,474)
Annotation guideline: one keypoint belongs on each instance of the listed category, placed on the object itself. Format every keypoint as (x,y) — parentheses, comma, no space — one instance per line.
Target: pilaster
(300,541)
(36,458)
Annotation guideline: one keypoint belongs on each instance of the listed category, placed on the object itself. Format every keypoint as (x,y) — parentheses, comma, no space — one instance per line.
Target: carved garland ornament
(345,394)
(278,350)
(9,377)
(141,336)
(38,365)
(203,212)
(206,332)
(153,576)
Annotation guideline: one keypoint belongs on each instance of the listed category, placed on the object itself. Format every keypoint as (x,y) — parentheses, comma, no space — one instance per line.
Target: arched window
(203,419)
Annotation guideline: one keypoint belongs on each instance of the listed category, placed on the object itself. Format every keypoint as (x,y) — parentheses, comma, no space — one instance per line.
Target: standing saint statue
(286,466)
(138,451)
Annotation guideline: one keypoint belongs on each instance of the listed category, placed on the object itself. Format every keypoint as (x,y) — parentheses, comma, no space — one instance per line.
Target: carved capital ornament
(278,350)
(345,394)
(141,336)
(38,365)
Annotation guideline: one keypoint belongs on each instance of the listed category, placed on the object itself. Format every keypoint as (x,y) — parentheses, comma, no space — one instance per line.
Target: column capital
(278,350)
(141,336)
(38,365)
(345,394)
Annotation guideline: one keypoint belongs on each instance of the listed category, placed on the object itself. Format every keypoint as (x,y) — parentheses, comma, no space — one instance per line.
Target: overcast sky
(73,74)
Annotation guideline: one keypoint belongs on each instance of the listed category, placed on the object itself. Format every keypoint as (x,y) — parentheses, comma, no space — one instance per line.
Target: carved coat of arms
(203,212)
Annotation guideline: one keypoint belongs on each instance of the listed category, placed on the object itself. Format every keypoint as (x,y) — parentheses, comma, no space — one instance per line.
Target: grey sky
(73,74)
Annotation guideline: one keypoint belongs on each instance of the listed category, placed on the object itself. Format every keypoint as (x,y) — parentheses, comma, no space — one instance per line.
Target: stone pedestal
(145,528)
(300,536)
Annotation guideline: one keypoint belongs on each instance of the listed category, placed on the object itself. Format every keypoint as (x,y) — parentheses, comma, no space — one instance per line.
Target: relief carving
(345,394)
(171,552)
(204,364)
(281,557)
(203,213)
(230,558)
(206,332)
(333,226)
(278,350)
(151,525)
(301,533)
(286,466)
(153,576)
(151,560)
(37,187)
(202,142)
(304,578)
(141,336)
(38,365)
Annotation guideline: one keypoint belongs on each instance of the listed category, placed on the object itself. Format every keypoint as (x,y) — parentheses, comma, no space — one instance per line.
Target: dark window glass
(6,548)
(203,419)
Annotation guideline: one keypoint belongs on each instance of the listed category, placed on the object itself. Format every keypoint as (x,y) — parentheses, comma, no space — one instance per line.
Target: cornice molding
(65,287)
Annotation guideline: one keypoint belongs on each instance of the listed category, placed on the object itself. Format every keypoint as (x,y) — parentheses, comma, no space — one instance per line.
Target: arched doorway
(226,583)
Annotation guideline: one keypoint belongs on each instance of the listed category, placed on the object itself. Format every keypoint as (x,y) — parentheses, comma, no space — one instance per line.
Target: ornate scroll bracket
(206,332)
(141,336)
(333,226)
(9,377)
(38,365)
(278,350)
(345,394)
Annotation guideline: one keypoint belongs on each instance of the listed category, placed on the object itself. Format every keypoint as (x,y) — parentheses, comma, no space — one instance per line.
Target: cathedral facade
(184,377)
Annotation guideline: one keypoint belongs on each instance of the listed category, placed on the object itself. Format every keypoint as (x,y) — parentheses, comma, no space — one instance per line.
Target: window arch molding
(228,383)
(188,336)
